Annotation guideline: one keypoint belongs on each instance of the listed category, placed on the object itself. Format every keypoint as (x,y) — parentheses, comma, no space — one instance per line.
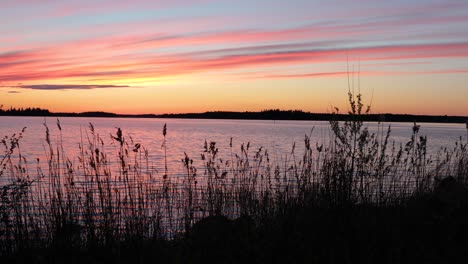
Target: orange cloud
(117,57)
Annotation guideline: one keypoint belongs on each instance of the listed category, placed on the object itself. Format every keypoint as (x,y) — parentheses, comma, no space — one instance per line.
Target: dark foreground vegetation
(356,199)
(271,114)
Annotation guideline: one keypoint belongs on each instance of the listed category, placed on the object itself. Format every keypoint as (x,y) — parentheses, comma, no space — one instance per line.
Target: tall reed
(111,199)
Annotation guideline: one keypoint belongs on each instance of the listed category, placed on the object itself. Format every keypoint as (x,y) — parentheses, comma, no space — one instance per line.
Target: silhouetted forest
(29,111)
(276,114)
(270,114)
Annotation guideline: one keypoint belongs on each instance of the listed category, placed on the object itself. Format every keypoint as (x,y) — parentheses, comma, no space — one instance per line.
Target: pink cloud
(304,75)
(344,73)
(114,58)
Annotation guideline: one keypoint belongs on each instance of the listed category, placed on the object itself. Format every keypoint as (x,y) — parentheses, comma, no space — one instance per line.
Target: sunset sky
(128,56)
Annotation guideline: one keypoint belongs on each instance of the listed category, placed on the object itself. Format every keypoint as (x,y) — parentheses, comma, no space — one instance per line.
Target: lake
(188,135)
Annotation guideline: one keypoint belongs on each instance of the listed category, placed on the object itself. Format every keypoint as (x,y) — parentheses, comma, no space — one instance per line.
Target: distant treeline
(301,115)
(272,114)
(30,111)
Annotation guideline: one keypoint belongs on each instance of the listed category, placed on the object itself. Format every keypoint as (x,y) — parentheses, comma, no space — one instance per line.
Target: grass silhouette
(357,198)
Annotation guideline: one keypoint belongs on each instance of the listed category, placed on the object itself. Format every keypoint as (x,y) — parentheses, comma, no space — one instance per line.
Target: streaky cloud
(305,75)
(68,86)
(41,66)
(345,73)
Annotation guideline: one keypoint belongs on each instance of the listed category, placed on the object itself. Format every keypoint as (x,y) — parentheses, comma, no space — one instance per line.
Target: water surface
(188,135)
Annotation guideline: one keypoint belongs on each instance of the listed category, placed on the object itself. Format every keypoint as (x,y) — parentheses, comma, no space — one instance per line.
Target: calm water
(189,135)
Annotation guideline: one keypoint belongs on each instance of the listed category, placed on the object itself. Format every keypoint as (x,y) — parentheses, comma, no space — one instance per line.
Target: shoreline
(264,115)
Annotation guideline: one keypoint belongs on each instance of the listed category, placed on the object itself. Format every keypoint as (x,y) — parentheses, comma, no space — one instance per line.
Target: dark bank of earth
(428,228)
(432,228)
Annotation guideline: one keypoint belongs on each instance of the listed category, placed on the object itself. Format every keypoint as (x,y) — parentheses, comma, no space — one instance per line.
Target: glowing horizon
(138,57)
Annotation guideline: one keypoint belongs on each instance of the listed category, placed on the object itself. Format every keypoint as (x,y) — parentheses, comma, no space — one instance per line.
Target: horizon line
(156,115)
